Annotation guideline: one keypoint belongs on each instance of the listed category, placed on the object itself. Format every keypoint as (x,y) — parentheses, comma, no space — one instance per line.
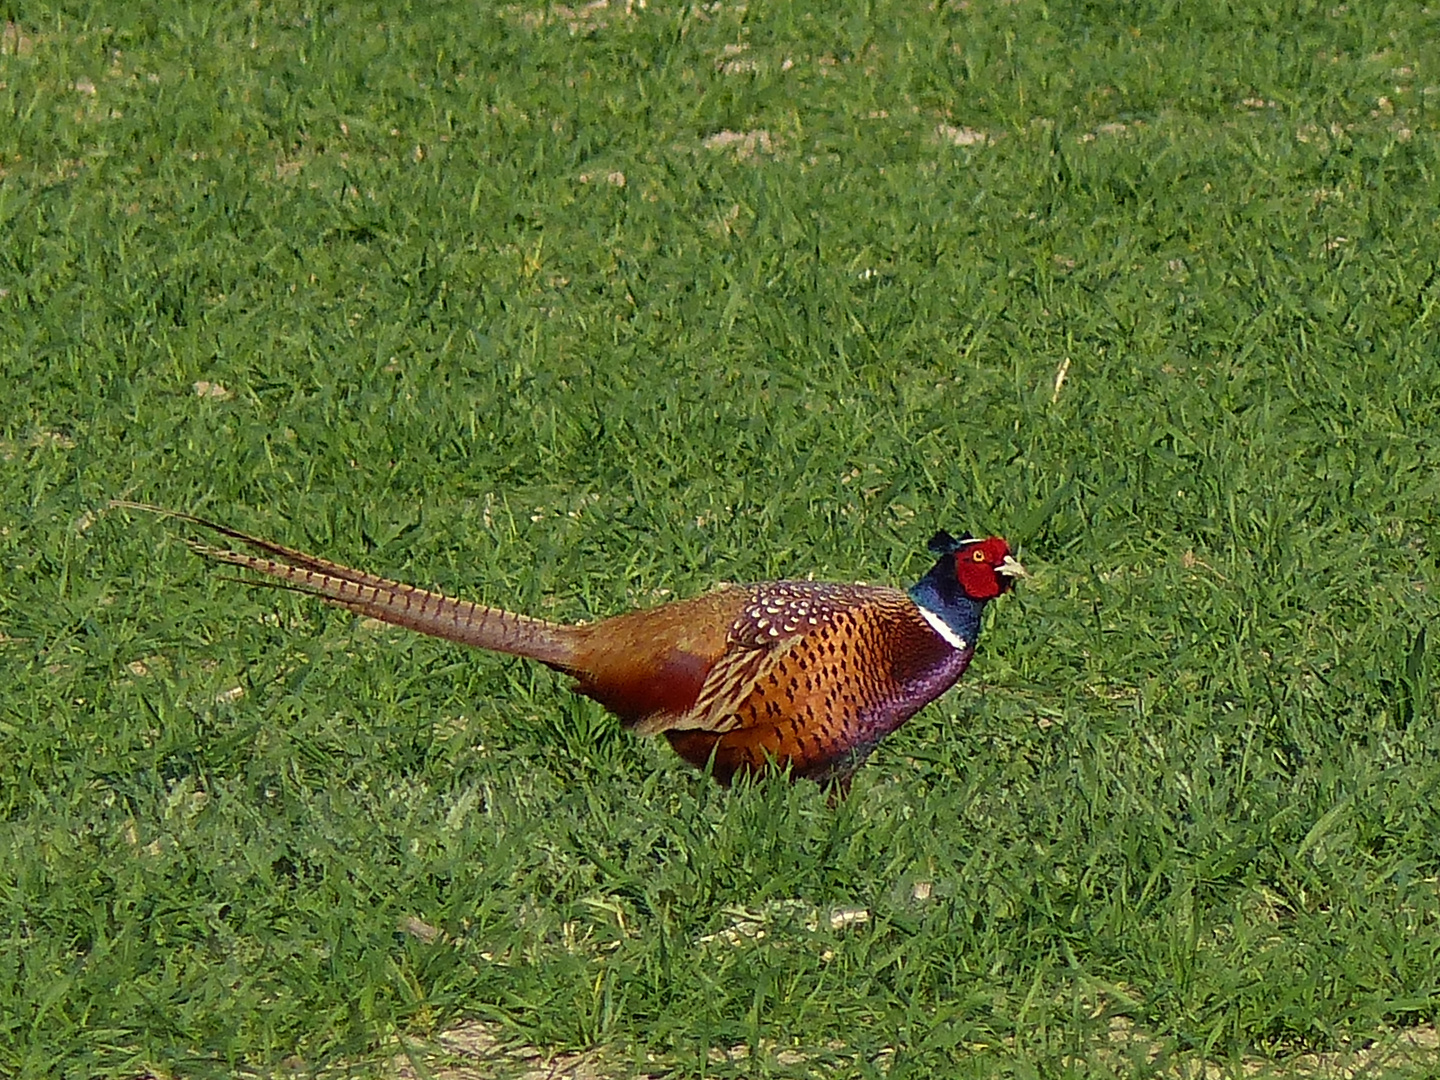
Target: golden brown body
(817,694)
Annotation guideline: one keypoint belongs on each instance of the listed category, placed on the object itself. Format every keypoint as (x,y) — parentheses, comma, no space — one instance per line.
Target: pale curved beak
(1010,568)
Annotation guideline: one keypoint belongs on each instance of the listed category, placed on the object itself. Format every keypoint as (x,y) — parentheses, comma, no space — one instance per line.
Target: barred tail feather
(394,602)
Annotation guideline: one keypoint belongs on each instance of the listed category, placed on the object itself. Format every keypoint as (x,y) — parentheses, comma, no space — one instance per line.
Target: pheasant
(788,673)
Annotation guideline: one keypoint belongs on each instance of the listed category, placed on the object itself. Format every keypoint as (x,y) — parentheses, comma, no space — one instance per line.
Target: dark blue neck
(939,593)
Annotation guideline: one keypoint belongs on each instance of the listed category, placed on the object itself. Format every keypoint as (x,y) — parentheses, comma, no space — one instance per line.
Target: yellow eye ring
(979,555)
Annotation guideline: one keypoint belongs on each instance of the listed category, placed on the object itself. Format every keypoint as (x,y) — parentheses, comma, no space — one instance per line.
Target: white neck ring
(954,640)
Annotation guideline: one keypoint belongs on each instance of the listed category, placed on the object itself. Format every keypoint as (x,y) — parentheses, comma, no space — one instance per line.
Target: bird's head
(983,568)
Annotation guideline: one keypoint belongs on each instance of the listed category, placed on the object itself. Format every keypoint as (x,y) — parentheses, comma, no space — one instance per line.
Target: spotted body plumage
(817,675)
(801,674)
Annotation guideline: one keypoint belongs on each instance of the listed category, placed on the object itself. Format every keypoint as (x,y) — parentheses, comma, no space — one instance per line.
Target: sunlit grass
(574,308)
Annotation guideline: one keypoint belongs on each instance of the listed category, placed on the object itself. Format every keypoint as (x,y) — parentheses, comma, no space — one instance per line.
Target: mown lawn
(574,308)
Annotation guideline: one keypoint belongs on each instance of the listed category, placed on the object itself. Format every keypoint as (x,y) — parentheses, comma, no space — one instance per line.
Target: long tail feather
(389,601)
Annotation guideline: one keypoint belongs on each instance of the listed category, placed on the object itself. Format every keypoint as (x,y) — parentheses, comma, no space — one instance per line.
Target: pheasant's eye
(979,555)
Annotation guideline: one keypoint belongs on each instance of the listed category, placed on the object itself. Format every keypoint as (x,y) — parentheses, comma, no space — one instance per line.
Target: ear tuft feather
(942,543)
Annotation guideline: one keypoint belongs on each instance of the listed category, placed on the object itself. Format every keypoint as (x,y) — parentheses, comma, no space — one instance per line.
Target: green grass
(481,301)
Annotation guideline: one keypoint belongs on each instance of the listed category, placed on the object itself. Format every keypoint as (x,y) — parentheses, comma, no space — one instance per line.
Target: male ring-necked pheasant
(802,673)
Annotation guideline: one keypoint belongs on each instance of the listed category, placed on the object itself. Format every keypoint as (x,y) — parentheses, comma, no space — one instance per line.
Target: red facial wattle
(976,568)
